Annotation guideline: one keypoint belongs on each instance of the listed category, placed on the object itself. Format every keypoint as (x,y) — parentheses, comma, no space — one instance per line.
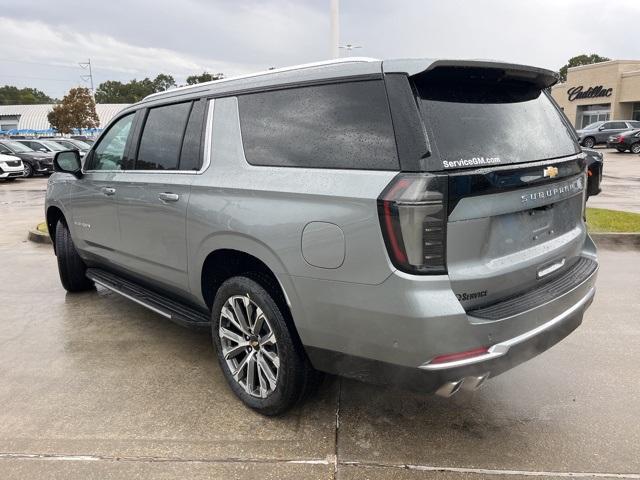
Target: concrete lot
(94,386)
(620,183)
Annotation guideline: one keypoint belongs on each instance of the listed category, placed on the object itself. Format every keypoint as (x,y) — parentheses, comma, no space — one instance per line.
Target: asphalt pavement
(95,386)
(620,183)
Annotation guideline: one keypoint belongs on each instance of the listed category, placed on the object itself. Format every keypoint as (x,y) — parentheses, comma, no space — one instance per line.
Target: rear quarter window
(341,125)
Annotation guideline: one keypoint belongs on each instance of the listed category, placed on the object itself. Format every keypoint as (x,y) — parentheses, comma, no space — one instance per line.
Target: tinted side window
(617,125)
(190,157)
(5,150)
(634,124)
(109,153)
(343,125)
(161,138)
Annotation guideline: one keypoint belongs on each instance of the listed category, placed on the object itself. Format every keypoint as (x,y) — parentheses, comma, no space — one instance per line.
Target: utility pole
(335,28)
(87,65)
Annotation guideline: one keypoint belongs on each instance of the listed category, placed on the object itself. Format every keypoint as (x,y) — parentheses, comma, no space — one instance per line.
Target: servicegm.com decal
(470,162)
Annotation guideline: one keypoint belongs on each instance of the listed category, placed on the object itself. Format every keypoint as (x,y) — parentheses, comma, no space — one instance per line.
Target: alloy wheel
(249,346)
(635,148)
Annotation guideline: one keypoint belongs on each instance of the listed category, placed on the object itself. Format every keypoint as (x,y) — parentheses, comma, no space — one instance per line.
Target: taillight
(413,216)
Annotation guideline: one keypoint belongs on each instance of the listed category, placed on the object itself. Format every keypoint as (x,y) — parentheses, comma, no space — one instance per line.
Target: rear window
(342,125)
(476,118)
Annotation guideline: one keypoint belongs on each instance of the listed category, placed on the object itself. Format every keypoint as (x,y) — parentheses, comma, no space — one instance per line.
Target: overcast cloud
(44,41)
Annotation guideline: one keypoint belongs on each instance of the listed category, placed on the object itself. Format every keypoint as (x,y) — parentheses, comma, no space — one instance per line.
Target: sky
(44,41)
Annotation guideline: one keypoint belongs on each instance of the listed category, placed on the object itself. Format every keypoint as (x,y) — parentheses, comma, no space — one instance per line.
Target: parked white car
(10,167)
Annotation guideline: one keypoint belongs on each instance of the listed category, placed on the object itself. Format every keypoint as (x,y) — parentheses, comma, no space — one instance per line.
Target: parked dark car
(595,162)
(34,162)
(627,141)
(72,144)
(42,145)
(599,132)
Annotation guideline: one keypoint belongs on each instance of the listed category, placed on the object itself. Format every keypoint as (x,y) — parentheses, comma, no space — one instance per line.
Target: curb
(39,237)
(617,240)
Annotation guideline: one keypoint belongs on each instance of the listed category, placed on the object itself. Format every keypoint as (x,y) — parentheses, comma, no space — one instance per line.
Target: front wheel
(635,148)
(70,266)
(621,150)
(588,142)
(28,170)
(261,359)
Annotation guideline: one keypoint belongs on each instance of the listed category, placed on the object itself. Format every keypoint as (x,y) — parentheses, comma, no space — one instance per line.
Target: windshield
(475,121)
(18,147)
(593,126)
(81,145)
(56,147)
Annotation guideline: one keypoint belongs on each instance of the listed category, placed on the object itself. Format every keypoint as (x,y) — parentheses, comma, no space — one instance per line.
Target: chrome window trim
(206,155)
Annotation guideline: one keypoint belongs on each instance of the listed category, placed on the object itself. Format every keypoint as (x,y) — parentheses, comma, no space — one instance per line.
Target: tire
(621,150)
(70,266)
(28,170)
(635,148)
(272,371)
(588,142)
(11,179)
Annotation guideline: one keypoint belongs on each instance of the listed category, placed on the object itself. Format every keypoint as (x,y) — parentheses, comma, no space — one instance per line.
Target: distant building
(600,92)
(20,119)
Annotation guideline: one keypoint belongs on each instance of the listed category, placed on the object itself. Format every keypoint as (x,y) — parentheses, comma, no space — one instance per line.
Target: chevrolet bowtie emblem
(550,172)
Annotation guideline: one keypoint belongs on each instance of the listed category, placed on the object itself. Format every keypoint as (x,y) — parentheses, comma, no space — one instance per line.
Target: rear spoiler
(538,77)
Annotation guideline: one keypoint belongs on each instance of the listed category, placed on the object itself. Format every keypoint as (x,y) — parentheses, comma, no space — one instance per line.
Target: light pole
(335,28)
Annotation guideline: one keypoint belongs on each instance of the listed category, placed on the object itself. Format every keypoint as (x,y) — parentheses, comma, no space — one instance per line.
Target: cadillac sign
(577,93)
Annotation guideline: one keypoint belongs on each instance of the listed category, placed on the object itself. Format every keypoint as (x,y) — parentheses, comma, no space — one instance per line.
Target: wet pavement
(94,386)
(620,182)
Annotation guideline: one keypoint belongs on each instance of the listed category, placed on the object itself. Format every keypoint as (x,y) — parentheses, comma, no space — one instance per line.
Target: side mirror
(601,128)
(68,162)
(42,149)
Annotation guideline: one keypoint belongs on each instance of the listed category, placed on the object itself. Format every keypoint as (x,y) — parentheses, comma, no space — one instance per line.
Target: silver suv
(388,221)
(599,132)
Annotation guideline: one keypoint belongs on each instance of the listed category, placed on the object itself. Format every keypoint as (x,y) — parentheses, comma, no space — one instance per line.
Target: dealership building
(602,91)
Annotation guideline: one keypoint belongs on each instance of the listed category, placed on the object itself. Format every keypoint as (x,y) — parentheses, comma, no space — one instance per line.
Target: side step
(175,311)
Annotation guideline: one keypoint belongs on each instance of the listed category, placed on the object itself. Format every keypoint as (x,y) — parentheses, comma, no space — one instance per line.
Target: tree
(10,95)
(77,110)
(204,77)
(113,91)
(581,60)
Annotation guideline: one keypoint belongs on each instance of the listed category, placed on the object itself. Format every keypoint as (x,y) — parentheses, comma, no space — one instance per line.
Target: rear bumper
(431,378)
(389,333)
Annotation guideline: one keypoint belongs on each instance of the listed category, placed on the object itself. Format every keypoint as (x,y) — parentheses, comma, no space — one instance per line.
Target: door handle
(169,197)
(108,191)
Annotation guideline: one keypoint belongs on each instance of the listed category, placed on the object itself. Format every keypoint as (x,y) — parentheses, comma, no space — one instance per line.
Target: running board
(175,311)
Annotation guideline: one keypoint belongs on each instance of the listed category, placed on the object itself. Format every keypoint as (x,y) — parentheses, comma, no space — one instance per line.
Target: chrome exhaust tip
(474,383)
(450,388)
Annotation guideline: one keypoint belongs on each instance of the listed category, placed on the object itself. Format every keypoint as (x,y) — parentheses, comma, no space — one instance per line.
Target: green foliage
(113,91)
(581,60)
(203,77)
(77,110)
(10,95)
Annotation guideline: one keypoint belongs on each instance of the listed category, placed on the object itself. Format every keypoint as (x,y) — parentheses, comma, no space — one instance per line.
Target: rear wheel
(261,359)
(635,148)
(589,142)
(70,266)
(10,179)
(621,150)
(28,170)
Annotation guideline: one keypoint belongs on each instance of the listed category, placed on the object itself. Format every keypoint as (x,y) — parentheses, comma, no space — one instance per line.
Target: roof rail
(266,72)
